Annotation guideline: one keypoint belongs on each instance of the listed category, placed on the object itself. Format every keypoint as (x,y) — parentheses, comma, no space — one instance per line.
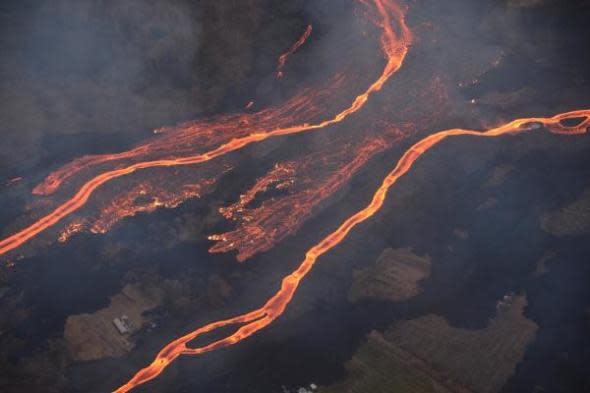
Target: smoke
(82,66)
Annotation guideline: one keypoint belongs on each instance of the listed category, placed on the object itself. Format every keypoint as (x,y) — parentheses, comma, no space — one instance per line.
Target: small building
(122,324)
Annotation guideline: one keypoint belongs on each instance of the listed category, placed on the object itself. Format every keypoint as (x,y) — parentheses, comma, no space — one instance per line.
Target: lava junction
(253,321)
(395,39)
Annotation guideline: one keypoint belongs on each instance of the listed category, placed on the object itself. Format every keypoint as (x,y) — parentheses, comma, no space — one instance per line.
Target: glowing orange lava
(259,228)
(283,58)
(246,129)
(395,41)
(258,319)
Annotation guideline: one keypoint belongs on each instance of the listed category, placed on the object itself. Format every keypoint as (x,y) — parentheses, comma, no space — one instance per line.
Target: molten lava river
(360,112)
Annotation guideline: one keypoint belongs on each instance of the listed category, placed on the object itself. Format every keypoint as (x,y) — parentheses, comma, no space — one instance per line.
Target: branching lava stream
(258,319)
(395,41)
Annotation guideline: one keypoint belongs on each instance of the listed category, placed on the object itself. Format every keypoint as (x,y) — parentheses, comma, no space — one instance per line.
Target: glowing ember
(145,198)
(70,230)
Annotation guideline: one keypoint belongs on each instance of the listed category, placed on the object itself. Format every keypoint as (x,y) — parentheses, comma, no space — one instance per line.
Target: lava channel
(395,40)
(258,319)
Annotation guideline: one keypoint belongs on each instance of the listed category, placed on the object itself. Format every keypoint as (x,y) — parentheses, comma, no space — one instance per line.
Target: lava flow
(395,41)
(258,319)
(259,228)
(283,58)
